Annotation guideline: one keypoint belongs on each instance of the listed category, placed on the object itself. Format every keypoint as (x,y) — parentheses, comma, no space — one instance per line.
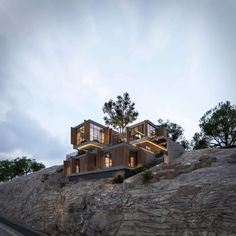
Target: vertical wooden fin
(73,135)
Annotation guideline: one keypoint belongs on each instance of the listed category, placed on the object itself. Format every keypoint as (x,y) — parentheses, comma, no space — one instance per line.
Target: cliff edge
(194,196)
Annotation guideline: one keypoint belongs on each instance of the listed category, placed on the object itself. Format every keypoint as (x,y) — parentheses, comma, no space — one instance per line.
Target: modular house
(103,152)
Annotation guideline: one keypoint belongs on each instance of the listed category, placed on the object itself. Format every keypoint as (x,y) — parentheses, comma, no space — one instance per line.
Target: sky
(61,60)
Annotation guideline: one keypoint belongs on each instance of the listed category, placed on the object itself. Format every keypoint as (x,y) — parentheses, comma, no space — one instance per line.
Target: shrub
(118,179)
(44,177)
(146,176)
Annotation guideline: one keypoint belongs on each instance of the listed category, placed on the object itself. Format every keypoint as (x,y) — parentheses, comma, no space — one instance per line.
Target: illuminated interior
(133,159)
(137,132)
(96,133)
(152,146)
(99,147)
(151,131)
(77,166)
(108,160)
(89,146)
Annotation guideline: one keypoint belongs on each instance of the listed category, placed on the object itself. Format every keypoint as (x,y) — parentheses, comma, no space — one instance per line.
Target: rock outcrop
(194,196)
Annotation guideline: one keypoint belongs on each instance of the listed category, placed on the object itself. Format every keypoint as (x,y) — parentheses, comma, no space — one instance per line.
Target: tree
(199,141)
(185,143)
(22,166)
(174,131)
(120,113)
(36,166)
(6,172)
(9,169)
(219,125)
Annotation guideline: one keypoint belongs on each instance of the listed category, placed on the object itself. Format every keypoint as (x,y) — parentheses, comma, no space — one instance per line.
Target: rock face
(194,196)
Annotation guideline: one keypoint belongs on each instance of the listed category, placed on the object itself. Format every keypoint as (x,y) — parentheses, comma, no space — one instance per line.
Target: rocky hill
(194,196)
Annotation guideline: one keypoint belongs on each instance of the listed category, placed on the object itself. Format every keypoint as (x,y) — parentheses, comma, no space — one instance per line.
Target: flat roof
(103,126)
(91,121)
(142,122)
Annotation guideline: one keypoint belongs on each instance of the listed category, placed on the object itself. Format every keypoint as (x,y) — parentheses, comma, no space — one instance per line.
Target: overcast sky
(61,60)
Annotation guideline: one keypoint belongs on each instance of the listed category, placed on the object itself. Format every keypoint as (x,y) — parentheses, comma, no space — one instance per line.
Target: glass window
(137,132)
(133,160)
(151,131)
(108,160)
(77,167)
(96,133)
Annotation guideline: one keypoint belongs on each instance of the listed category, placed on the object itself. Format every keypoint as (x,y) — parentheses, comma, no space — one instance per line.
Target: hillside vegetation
(194,196)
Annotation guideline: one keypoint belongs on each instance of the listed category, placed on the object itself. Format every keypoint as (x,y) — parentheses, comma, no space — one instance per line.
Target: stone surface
(194,196)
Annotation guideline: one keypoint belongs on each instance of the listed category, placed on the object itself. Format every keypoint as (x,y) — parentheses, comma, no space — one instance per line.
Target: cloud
(60,61)
(21,133)
(47,80)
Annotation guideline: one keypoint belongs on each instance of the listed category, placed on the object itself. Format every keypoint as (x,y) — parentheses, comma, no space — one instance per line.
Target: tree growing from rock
(120,113)
(185,143)
(22,166)
(174,131)
(36,166)
(199,141)
(219,125)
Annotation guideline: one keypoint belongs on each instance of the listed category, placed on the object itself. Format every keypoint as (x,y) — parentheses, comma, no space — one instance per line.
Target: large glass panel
(151,131)
(96,133)
(137,132)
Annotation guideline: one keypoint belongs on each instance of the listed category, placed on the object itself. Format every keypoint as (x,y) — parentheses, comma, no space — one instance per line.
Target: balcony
(74,154)
(119,138)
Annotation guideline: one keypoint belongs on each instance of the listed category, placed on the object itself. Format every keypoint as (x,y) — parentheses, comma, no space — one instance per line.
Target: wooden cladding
(107,135)
(86,130)
(160,132)
(128,133)
(120,156)
(91,161)
(143,129)
(81,134)
(73,133)
(87,136)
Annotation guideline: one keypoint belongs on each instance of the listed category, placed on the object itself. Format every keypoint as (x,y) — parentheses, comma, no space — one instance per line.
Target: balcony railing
(161,132)
(74,154)
(119,138)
